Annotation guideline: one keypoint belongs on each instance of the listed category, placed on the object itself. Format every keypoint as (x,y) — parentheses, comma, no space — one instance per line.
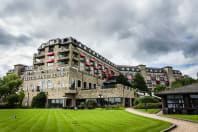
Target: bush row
(148,106)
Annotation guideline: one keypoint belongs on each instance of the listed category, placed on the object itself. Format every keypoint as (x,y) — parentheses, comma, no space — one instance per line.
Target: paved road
(182,126)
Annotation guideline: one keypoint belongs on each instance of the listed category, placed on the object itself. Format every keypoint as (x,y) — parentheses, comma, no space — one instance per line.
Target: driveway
(182,126)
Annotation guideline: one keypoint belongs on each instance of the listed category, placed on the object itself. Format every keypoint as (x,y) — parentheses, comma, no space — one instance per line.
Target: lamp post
(100,96)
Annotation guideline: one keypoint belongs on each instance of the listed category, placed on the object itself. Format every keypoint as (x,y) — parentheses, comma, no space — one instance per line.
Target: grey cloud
(7,38)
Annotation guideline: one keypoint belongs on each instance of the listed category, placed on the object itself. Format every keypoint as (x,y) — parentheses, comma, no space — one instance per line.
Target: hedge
(148,106)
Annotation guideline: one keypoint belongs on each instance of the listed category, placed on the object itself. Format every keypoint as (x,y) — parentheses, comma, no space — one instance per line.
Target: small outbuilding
(183,100)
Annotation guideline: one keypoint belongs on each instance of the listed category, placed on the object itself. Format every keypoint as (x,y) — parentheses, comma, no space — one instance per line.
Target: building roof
(189,89)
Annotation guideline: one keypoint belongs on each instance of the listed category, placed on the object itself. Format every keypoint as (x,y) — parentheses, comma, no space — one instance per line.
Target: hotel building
(70,73)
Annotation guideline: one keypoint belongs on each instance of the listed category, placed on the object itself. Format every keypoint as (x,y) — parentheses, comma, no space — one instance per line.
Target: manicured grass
(187,117)
(56,120)
(151,111)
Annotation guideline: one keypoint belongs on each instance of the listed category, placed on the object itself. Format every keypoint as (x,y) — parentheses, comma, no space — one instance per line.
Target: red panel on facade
(82,55)
(124,74)
(92,60)
(133,75)
(148,79)
(109,73)
(166,80)
(96,68)
(129,78)
(50,61)
(161,76)
(106,67)
(103,71)
(111,70)
(152,75)
(100,64)
(50,54)
(158,80)
(87,64)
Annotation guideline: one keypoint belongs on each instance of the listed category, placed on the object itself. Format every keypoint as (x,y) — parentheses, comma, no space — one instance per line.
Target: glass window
(43,85)
(85,85)
(49,84)
(79,83)
(50,57)
(72,84)
(94,86)
(62,84)
(50,64)
(82,64)
(90,86)
(54,86)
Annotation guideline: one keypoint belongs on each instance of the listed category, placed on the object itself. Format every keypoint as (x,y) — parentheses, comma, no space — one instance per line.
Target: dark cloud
(7,39)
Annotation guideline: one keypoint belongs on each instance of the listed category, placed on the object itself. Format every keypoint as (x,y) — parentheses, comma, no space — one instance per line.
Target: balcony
(75,58)
(63,58)
(41,62)
(75,51)
(39,55)
(70,91)
(63,50)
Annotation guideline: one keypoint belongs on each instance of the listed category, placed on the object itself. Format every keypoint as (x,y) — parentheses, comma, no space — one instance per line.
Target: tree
(123,80)
(139,83)
(182,81)
(159,88)
(39,100)
(9,84)
(21,97)
(12,99)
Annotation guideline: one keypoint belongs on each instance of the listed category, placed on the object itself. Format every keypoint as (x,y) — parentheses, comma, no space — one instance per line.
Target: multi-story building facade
(70,72)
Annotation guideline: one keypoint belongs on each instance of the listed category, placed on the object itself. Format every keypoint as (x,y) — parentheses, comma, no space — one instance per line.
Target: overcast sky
(132,32)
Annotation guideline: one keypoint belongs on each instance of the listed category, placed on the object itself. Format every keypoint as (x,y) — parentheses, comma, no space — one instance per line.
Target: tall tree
(139,82)
(9,84)
(123,80)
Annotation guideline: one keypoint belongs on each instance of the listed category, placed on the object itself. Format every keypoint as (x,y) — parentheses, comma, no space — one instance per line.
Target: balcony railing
(39,55)
(63,57)
(39,62)
(63,50)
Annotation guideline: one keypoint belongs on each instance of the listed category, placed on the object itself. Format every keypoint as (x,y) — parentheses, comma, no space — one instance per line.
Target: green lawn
(187,117)
(56,120)
(151,111)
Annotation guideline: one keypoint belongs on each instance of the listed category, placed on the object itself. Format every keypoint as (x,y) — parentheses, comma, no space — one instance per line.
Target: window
(32,88)
(38,85)
(50,64)
(79,83)
(94,86)
(49,84)
(89,85)
(62,84)
(85,85)
(72,84)
(194,100)
(82,64)
(54,86)
(43,85)
(50,57)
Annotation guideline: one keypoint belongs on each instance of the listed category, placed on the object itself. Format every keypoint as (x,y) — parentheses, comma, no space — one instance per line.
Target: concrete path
(182,126)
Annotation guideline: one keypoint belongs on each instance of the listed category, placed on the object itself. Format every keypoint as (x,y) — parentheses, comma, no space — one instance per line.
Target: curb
(180,119)
(169,129)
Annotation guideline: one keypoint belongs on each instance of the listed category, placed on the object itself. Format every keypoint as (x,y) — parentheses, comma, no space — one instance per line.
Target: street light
(100,96)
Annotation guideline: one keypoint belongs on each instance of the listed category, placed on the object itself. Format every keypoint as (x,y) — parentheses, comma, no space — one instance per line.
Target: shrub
(82,105)
(91,104)
(39,100)
(146,99)
(115,107)
(12,99)
(148,106)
